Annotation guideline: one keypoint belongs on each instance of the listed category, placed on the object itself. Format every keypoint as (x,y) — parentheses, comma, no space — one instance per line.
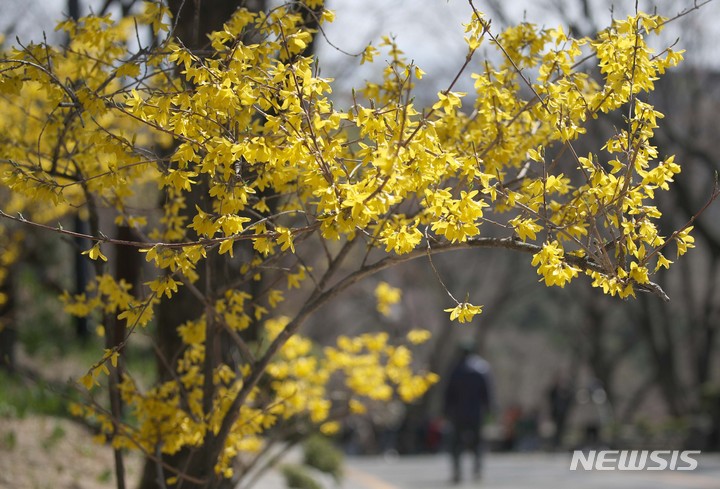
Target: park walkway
(510,471)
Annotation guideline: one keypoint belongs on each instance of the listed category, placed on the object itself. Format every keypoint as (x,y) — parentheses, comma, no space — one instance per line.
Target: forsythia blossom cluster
(255,165)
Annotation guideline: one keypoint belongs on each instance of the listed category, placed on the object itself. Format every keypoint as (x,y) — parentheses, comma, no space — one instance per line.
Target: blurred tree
(678,336)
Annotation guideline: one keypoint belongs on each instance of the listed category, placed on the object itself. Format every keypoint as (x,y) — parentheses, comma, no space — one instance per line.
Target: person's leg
(477,447)
(456,449)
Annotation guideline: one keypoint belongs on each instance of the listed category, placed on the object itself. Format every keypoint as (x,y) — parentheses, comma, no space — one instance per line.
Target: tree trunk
(8,331)
(662,353)
(194,21)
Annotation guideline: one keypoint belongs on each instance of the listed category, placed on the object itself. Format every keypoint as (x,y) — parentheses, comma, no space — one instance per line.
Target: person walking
(468,399)
(560,397)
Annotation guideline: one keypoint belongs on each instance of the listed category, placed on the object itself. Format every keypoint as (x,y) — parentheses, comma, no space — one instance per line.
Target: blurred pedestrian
(468,399)
(510,418)
(560,397)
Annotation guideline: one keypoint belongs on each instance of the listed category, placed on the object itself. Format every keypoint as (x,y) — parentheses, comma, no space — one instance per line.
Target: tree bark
(655,329)
(193,19)
(8,331)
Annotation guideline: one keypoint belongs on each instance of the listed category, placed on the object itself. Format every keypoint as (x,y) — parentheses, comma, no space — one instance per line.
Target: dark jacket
(469,391)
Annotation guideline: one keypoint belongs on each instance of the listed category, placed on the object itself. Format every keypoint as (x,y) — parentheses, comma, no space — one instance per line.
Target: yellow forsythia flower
(464,312)
(94,253)
(418,336)
(386,296)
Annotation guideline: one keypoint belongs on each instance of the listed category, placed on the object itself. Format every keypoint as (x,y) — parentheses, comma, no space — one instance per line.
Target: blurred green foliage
(20,397)
(298,477)
(320,453)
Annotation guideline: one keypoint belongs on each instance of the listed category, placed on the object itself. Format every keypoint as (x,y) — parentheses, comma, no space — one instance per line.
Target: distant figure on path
(560,397)
(468,398)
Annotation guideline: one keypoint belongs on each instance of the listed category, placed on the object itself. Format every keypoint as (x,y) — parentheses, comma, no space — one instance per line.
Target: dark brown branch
(215,446)
(150,244)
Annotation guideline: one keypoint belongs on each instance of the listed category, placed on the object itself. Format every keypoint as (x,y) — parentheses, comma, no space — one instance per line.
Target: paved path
(522,471)
(511,471)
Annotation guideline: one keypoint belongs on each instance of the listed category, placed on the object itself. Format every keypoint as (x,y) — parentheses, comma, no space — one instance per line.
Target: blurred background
(572,367)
